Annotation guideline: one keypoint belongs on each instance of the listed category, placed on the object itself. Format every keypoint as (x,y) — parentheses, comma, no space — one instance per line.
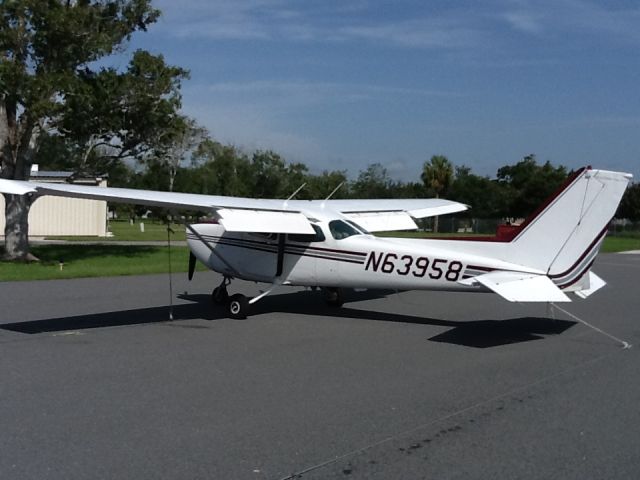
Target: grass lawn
(95,261)
(621,243)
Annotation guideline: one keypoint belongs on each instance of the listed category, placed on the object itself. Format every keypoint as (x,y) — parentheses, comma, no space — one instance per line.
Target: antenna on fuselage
(296,192)
(333,192)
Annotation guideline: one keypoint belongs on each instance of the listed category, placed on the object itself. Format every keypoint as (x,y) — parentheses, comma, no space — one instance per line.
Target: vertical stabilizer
(566,233)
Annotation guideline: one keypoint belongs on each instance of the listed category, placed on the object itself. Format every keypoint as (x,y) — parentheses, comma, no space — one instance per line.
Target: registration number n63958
(435,268)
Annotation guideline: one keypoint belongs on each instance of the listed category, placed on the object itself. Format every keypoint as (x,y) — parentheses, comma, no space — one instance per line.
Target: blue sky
(342,84)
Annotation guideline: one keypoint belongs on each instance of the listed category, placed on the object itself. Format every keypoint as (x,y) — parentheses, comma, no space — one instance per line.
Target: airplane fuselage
(357,261)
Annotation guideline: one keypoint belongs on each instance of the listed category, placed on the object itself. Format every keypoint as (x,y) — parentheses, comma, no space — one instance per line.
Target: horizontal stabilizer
(520,287)
(263,221)
(595,283)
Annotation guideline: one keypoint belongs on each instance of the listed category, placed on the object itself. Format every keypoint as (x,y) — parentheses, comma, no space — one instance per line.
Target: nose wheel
(220,296)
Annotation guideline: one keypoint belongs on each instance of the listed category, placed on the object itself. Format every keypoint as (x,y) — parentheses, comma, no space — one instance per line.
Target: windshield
(340,229)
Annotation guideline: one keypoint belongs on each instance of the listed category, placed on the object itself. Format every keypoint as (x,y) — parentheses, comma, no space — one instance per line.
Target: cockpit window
(340,229)
(358,227)
(312,237)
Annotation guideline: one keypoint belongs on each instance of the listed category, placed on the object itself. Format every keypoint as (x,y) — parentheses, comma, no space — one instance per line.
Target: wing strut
(169,232)
(280,265)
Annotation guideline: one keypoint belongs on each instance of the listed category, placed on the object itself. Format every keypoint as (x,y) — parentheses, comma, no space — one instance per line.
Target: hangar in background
(64,216)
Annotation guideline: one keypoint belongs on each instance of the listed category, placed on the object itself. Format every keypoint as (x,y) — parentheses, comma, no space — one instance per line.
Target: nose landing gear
(219,296)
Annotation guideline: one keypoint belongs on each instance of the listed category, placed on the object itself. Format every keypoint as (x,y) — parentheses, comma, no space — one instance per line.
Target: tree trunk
(16,159)
(172,177)
(16,230)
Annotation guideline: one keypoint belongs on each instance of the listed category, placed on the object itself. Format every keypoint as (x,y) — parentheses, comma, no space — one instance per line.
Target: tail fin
(564,235)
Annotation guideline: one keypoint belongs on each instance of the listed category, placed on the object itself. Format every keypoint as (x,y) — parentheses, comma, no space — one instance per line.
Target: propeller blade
(192,265)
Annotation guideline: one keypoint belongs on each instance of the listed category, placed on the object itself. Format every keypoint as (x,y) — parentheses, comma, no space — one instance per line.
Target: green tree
(48,85)
(485,196)
(320,186)
(178,143)
(269,175)
(528,184)
(372,182)
(219,170)
(630,205)
(437,175)
(406,190)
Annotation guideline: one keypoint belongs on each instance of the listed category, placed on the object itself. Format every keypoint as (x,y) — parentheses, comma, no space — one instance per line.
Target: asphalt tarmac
(96,382)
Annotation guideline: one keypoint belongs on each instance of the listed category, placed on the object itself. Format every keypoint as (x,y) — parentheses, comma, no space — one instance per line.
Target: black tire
(219,296)
(333,297)
(238,306)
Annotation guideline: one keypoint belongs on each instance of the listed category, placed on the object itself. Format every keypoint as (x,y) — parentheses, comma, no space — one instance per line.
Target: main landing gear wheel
(333,297)
(238,306)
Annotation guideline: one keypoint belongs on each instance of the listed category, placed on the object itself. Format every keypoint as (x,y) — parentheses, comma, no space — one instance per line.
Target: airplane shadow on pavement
(473,333)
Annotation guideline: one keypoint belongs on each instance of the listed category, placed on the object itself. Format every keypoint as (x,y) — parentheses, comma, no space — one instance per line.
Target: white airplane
(327,244)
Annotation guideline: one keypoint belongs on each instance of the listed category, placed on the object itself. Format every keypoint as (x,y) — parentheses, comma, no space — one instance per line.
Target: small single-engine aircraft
(327,244)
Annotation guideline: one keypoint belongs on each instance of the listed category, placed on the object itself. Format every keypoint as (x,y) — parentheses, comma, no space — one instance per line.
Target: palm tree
(437,175)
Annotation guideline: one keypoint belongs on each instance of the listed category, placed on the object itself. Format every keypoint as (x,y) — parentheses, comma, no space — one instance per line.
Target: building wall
(64,216)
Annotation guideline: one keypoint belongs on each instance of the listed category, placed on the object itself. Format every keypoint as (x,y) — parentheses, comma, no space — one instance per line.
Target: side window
(358,227)
(316,237)
(340,229)
(265,236)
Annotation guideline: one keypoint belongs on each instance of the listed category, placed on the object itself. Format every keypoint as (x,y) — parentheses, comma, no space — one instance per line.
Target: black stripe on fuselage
(291,249)
(593,245)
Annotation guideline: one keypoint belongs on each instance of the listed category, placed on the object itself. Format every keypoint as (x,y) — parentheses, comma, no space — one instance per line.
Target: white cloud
(313,92)
(440,33)
(453,28)
(222,19)
(524,22)
(281,19)
(620,23)
(571,17)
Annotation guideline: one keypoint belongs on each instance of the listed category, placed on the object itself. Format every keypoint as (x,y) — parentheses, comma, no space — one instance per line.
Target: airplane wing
(520,286)
(238,214)
(382,215)
(235,214)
